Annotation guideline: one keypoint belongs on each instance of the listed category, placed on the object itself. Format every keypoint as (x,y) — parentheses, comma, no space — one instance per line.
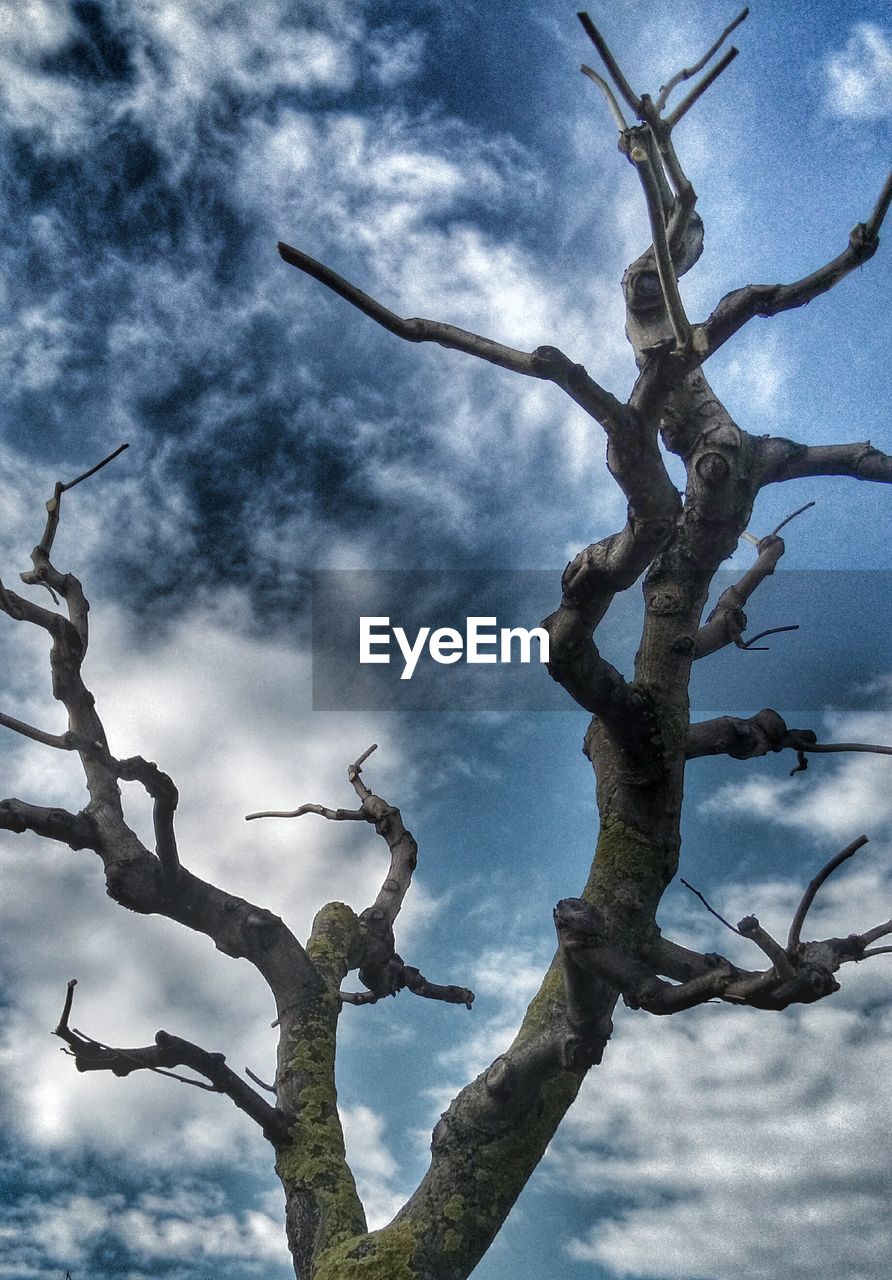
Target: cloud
(838,798)
(183,1225)
(705,1125)
(226,713)
(861,75)
(373,1165)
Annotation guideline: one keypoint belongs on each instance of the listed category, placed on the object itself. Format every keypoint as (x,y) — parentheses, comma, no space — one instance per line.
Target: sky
(450,160)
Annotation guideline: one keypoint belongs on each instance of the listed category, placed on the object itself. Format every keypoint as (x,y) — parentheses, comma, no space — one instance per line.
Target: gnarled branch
(373,952)
(778,459)
(801,972)
(167,1052)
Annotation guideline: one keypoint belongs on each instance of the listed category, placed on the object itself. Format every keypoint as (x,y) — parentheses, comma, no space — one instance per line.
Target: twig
(610,62)
(880,209)
(809,896)
(792,516)
(52,506)
(687,72)
(760,635)
(608,94)
(699,89)
(711,910)
(270,1088)
(335,815)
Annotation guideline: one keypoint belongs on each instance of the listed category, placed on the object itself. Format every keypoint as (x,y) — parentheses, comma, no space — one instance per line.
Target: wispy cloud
(861,75)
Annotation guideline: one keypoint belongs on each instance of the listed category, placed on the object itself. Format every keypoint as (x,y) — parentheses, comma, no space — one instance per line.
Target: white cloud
(735,1140)
(183,1225)
(838,798)
(374,1168)
(226,713)
(861,75)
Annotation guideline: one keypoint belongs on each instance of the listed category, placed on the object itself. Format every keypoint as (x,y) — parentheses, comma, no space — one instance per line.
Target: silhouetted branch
(712,911)
(546,363)
(814,885)
(170,1051)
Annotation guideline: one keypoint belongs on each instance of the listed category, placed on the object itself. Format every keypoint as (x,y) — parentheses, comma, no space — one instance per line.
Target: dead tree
(640,740)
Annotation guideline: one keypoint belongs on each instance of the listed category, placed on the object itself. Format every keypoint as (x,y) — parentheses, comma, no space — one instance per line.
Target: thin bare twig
(711,910)
(760,635)
(52,506)
(687,72)
(880,209)
(792,516)
(814,885)
(270,1088)
(335,815)
(610,63)
(608,94)
(700,88)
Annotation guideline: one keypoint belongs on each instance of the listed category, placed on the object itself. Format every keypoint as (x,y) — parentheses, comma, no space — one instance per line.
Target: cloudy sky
(450,160)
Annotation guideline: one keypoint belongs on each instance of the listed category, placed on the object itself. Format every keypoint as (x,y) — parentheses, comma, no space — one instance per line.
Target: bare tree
(495,1131)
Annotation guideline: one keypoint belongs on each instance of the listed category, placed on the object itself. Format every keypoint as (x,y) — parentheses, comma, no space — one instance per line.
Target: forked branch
(166,1053)
(382,970)
(727,621)
(687,72)
(800,973)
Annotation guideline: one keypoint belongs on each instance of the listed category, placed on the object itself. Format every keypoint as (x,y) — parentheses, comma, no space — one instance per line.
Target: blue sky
(450,160)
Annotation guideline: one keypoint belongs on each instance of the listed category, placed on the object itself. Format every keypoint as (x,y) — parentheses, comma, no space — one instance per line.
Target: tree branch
(643,160)
(766,731)
(612,103)
(77,830)
(373,951)
(778,459)
(687,72)
(610,62)
(814,885)
(699,89)
(742,305)
(801,973)
(171,1051)
(727,621)
(546,363)
(54,503)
